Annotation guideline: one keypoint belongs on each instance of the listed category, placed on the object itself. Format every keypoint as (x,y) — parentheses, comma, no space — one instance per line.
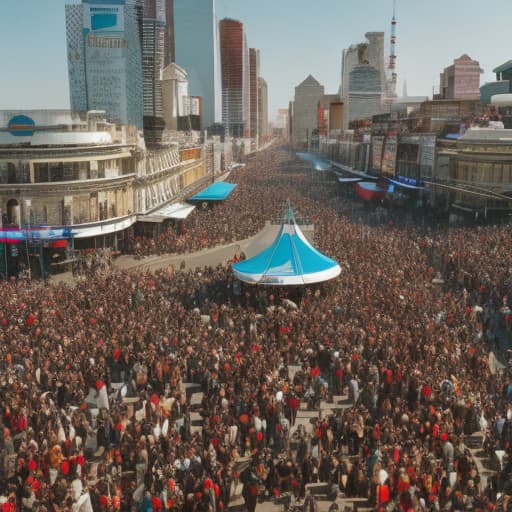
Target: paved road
(207,257)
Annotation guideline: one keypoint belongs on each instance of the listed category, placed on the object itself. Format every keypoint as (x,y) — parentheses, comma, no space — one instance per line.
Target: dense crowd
(94,401)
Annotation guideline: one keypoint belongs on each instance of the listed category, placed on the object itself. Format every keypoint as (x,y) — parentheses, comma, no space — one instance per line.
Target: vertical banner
(377,147)
(389,158)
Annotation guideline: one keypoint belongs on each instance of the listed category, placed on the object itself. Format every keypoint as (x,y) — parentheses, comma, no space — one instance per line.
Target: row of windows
(46,172)
(106,42)
(482,172)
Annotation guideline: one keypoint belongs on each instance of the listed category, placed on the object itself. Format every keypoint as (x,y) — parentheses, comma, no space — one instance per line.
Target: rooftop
(504,67)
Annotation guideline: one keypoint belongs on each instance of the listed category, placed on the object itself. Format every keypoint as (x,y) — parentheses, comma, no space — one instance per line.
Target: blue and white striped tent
(289,261)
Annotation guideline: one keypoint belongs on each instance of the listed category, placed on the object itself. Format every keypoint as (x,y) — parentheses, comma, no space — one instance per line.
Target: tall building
(254,64)
(105,59)
(305,115)
(281,123)
(461,80)
(371,53)
(153,58)
(364,92)
(236,105)
(263,127)
(197,49)
(170,47)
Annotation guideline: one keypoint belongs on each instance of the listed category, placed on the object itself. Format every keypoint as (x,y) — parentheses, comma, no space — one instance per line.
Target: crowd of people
(91,261)
(95,407)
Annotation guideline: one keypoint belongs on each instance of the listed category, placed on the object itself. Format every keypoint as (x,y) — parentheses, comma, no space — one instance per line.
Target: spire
(404,93)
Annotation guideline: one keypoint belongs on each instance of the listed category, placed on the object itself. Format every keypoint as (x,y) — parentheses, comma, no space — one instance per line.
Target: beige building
(474,173)
(87,175)
(461,80)
(305,116)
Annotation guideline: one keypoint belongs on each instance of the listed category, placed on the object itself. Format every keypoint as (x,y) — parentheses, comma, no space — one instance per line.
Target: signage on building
(428,152)
(21,126)
(377,147)
(104,18)
(389,157)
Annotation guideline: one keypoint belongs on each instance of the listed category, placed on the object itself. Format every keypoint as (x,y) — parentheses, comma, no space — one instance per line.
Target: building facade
(305,115)
(153,58)
(87,175)
(364,92)
(105,59)
(236,105)
(461,80)
(489,89)
(474,173)
(446,116)
(198,52)
(254,71)
(263,126)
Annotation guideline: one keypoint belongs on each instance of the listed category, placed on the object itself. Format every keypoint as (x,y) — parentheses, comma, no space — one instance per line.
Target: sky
(296,38)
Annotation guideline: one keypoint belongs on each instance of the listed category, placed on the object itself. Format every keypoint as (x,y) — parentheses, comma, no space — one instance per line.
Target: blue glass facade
(104,59)
(198,52)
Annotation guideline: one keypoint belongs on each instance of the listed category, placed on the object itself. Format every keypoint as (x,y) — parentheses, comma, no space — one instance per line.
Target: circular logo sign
(21,126)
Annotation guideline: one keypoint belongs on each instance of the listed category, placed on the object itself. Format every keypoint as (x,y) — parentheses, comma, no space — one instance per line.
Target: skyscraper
(461,80)
(364,92)
(236,106)
(304,117)
(254,63)
(105,60)
(371,53)
(262,108)
(153,58)
(197,49)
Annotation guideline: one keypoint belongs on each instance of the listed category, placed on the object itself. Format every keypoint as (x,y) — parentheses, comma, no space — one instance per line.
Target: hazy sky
(296,38)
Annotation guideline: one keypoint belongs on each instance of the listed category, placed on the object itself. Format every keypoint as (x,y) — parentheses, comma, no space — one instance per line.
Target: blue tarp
(405,185)
(216,192)
(289,260)
(319,164)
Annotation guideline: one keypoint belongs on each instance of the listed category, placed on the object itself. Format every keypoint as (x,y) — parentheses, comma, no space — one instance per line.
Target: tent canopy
(289,261)
(215,192)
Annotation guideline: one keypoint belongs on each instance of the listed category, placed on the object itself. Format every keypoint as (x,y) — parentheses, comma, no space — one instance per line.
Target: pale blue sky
(296,37)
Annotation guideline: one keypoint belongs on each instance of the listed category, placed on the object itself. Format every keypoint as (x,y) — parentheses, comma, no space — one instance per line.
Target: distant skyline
(296,38)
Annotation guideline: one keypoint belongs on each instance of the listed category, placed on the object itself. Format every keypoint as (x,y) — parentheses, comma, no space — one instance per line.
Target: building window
(41,172)
(56,171)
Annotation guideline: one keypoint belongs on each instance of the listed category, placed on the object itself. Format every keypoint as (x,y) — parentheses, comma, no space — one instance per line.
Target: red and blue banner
(16,235)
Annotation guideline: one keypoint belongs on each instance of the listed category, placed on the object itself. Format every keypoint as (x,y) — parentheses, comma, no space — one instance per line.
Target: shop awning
(105,228)
(171,211)
(405,185)
(216,192)
(349,180)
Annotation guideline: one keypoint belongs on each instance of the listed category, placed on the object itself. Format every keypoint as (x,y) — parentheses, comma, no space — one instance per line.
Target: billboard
(377,147)
(428,153)
(104,18)
(389,157)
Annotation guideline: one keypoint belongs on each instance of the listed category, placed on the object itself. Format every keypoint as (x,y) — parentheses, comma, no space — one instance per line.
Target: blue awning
(216,192)
(405,185)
